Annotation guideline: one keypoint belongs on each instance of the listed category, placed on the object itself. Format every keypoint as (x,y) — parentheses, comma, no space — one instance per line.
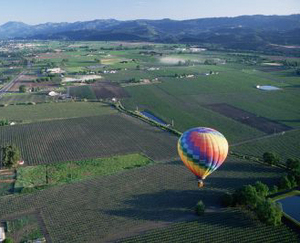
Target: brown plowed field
(261,123)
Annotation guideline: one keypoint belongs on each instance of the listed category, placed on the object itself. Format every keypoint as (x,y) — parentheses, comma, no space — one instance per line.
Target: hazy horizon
(145,19)
(34,12)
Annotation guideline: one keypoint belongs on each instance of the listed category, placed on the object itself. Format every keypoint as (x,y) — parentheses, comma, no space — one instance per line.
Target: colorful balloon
(202,150)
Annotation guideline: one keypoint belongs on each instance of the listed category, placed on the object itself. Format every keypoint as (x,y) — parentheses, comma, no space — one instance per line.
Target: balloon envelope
(202,150)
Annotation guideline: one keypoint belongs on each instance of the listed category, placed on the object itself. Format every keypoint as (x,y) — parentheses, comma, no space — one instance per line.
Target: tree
(274,189)
(8,240)
(22,89)
(11,156)
(262,189)
(292,180)
(4,123)
(200,208)
(271,158)
(285,183)
(293,164)
(269,212)
(247,196)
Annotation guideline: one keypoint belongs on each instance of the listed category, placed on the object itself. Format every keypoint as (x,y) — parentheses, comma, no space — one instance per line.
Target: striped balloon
(202,150)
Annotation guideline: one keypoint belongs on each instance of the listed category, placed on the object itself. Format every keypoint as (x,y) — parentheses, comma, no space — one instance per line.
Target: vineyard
(52,111)
(286,146)
(108,208)
(185,113)
(230,225)
(25,99)
(94,174)
(88,137)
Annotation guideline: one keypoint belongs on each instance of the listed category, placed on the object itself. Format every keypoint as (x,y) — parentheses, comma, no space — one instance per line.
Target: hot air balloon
(202,150)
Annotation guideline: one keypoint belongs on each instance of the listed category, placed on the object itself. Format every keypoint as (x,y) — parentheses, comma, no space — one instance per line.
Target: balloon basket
(200,183)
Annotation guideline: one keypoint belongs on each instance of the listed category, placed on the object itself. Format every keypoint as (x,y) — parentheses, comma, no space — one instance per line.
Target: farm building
(53,93)
(55,70)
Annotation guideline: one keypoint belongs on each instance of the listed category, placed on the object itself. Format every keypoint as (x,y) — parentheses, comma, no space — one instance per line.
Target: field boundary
(141,117)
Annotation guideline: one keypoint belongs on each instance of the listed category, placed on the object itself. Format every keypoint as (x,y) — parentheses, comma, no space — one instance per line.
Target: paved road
(7,87)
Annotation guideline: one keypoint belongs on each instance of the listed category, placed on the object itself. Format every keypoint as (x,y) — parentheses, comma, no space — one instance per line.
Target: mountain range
(243,32)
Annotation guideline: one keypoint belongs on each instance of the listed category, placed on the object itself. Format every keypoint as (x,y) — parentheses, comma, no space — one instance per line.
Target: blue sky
(41,11)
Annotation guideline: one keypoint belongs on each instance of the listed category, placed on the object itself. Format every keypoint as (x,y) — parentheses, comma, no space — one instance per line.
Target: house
(53,94)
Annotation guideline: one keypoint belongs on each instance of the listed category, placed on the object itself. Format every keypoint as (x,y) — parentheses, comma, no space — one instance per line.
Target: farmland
(53,111)
(285,145)
(93,173)
(139,199)
(25,228)
(88,137)
(239,228)
(66,172)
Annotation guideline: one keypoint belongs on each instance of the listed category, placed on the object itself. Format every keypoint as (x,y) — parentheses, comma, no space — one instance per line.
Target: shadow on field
(296,120)
(177,206)
(230,184)
(248,166)
(167,206)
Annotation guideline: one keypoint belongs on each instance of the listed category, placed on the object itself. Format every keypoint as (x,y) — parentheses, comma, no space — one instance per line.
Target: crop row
(88,137)
(286,145)
(230,225)
(185,112)
(47,111)
(110,207)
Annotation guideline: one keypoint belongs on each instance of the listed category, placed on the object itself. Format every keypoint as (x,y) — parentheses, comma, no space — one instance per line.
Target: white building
(55,70)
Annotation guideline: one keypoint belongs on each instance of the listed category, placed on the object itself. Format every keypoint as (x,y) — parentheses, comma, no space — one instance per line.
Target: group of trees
(254,197)
(271,158)
(4,123)
(292,179)
(22,88)
(209,62)
(11,156)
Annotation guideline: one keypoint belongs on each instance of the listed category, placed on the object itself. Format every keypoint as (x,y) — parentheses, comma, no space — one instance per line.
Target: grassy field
(24,229)
(7,179)
(117,206)
(66,172)
(52,111)
(88,137)
(83,92)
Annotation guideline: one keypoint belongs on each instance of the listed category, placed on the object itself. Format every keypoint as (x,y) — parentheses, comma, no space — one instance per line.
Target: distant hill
(244,32)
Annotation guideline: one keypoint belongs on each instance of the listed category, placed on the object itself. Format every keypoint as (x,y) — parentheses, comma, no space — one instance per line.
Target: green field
(25,99)
(88,137)
(184,113)
(24,229)
(286,146)
(83,92)
(53,111)
(61,173)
